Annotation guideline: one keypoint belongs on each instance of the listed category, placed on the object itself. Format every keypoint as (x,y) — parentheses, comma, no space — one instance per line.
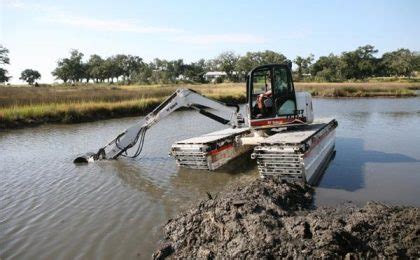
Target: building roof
(215,73)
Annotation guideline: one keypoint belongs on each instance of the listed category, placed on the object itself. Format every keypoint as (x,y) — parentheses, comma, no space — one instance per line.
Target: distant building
(213,75)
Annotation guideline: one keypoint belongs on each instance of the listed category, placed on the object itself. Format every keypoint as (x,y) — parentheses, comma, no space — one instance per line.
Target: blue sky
(38,33)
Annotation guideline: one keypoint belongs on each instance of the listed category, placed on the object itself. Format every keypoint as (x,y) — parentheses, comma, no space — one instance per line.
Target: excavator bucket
(86,158)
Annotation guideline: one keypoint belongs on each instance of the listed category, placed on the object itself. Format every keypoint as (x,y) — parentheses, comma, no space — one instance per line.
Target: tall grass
(18,96)
(29,106)
(368,89)
(73,112)
(21,106)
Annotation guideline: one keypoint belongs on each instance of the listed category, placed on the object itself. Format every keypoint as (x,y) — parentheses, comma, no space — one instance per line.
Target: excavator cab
(271,95)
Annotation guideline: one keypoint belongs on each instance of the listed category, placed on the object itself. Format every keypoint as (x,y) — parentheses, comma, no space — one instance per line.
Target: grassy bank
(370,89)
(23,106)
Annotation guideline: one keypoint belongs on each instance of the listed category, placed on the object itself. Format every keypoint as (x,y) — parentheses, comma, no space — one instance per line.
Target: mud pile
(273,218)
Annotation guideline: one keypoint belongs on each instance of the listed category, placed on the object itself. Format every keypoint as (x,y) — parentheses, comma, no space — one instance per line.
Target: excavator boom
(180,98)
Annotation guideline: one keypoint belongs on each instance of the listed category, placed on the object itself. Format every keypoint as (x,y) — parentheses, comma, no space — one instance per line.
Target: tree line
(358,64)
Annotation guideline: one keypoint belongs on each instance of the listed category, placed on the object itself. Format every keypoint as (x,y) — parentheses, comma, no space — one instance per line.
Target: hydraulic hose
(139,139)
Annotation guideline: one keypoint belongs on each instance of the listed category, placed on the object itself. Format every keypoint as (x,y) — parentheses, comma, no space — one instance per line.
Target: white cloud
(57,15)
(221,38)
(108,25)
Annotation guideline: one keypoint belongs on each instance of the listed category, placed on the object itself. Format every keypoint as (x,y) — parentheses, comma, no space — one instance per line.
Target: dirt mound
(272,218)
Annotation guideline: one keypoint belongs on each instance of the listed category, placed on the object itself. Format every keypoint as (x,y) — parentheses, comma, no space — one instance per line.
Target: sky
(39,33)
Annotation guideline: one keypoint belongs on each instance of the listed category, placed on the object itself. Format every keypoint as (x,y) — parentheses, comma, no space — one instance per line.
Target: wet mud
(270,218)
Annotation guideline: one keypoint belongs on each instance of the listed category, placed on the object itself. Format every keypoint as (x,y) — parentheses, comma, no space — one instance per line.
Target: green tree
(210,65)
(131,64)
(359,64)
(226,62)
(119,65)
(159,71)
(163,71)
(4,59)
(401,62)
(416,61)
(143,74)
(70,68)
(4,55)
(195,71)
(254,59)
(85,72)
(112,69)
(303,65)
(175,69)
(61,72)
(95,68)
(327,68)
(30,76)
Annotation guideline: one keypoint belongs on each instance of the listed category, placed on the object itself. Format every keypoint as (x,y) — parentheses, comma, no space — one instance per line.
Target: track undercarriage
(299,153)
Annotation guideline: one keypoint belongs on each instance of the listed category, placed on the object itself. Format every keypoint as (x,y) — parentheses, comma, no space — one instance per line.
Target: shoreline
(94,113)
(74,117)
(270,218)
(22,107)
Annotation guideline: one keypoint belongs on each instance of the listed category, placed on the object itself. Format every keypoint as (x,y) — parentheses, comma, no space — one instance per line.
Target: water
(51,208)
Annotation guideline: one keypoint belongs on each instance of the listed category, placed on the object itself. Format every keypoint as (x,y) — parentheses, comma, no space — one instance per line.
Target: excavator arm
(180,98)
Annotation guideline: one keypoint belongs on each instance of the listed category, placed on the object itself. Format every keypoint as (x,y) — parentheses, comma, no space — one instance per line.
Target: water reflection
(145,175)
(173,187)
(348,170)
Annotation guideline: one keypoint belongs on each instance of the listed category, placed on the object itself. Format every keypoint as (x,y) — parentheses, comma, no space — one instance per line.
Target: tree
(163,71)
(30,76)
(61,72)
(70,68)
(327,68)
(359,64)
(159,71)
(4,55)
(3,76)
(110,69)
(4,59)
(416,61)
(253,59)
(175,69)
(303,65)
(226,62)
(143,74)
(85,72)
(399,63)
(95,66)
(131,64)
(195,71)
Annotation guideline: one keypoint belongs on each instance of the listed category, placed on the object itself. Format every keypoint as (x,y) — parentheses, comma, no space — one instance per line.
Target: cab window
(285,103)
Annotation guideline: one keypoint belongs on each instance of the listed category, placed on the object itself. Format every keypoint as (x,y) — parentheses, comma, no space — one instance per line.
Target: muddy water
(50,208)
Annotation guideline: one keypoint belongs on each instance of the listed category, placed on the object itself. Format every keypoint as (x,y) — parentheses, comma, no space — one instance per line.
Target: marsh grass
(21,106)
(369,89)
(20,96)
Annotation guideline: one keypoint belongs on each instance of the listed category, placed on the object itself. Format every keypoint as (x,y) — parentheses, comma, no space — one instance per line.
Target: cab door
(283,92)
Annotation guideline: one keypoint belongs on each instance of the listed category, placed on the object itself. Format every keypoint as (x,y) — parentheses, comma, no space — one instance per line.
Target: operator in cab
(264,100)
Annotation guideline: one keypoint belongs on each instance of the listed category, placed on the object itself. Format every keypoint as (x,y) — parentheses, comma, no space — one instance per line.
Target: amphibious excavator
(278,129)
